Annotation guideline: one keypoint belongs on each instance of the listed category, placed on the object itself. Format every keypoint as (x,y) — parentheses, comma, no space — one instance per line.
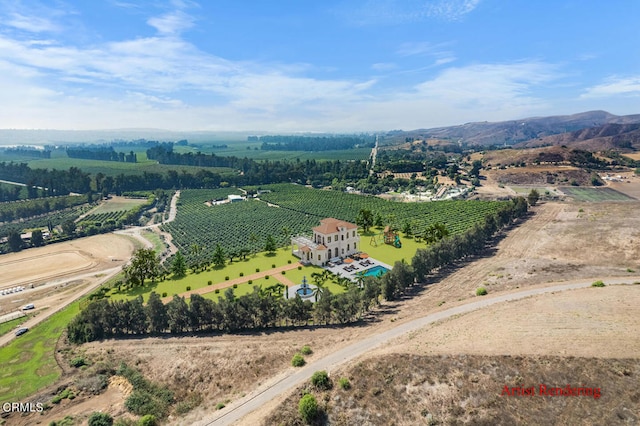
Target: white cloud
(393,12)
(172,23)
(34,24)
(615,86)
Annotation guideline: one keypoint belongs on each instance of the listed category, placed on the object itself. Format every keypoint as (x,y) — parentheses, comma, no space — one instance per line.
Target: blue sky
(296,65)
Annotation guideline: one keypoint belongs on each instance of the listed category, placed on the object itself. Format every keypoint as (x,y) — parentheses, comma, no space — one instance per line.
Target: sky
(312,66)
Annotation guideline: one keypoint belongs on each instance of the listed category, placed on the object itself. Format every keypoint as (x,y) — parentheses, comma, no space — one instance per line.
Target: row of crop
(245,225)
(456,215)
(103,217)
(14,210)
(237,226)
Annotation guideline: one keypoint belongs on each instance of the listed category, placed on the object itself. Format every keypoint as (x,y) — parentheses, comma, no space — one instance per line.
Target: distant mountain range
(539,131)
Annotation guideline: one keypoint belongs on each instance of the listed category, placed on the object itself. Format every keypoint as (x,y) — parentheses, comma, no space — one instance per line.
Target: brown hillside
(608,136)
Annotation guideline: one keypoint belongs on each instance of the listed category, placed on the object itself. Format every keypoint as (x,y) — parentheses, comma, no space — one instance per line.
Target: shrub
(266,277)
(306,350)
(597,284)
(250,281)
(298,360)
(220,405)
(308,408)
(257,269)
(283,272)
(188,288)
(217,290)
(164,294)
(321,380)
(289,261)
(344,383)
(235,286)
(148,420)
(209,282)
(481,291)
(299,268)
(226,278)
(78,362)
(273,265)
(100,419)
(242,274)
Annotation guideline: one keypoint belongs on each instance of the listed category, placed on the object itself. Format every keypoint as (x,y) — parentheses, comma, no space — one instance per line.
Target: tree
(15,241)
(156,313)
(144,265)
(100,419)
(219,257)
(533,197)
(435,232)
(270,244)
(364,219)
(179,266)
(36,238)
(308,408)
(68,227)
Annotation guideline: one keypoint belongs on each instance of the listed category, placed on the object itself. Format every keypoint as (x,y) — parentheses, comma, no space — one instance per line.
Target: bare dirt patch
(37,265)
(591,322)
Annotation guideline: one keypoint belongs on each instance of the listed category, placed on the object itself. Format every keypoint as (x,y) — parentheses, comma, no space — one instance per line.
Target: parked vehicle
(28,307)
(21,331)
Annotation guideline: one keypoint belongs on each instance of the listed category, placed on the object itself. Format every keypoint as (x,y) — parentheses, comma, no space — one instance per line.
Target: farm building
(332,239)
(234,198)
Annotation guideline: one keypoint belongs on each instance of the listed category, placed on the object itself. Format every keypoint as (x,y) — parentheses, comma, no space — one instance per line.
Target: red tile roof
(331,225)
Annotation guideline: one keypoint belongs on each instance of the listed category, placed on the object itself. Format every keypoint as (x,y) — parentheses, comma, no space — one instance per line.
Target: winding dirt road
(234,413)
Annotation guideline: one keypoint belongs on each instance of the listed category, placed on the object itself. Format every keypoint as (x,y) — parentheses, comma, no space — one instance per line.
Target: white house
(332,239)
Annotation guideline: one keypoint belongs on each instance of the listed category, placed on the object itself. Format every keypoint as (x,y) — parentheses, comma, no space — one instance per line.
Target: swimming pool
(376,271)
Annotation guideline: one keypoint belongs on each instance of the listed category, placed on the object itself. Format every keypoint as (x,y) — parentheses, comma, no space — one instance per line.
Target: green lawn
(28,362)
(595,194)
(261,261)
(387,253)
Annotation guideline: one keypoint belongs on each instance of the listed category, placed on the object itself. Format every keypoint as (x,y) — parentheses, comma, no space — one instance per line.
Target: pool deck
(356,266)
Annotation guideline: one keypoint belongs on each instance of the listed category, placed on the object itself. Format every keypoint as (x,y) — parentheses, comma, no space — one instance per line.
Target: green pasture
(595,195)
(114,168)
(118,204)
(10,326)
(28,362)
(247,149)
(158,244)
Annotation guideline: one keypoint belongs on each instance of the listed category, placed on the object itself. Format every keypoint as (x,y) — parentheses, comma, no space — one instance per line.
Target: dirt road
(235,412)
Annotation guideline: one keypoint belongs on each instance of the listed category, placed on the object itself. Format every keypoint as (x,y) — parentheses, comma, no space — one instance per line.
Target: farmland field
(298,209)
(595,194)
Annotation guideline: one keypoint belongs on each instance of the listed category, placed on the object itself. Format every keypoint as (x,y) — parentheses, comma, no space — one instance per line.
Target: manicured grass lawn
(8,326)
(248,267)
(242,289)
(387,253)
(28,362)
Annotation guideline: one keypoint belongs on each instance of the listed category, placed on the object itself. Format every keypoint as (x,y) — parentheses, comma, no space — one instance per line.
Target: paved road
(104,275)
(235,412)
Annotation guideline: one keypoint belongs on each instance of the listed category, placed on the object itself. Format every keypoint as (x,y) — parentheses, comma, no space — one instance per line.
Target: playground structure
(387,236)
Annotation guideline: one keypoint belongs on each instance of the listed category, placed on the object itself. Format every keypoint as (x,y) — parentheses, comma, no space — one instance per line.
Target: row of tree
(312,143)
(262,308)
(267,307)
(102,153)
